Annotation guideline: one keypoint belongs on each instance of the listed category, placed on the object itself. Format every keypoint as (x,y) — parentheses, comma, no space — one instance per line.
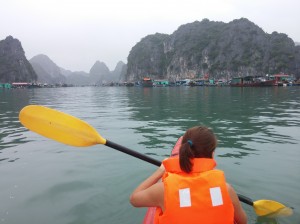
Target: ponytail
(197,142)
(185,154)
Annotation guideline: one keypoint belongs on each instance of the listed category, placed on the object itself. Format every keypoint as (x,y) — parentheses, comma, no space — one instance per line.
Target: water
(43,181)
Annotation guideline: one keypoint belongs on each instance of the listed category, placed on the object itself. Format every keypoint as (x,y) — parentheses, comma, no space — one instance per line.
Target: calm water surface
(43,181)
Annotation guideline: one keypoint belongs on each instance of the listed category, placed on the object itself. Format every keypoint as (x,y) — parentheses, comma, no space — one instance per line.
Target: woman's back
(192,191)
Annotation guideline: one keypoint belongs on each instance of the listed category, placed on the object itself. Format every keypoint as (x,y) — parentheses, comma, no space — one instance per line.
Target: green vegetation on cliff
(237,48)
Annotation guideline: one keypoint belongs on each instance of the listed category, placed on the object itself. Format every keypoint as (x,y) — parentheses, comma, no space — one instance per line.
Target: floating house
(161,83)
(251,81)
(20,84)
(211,82)
(282,79)
(5,85)
(147,82)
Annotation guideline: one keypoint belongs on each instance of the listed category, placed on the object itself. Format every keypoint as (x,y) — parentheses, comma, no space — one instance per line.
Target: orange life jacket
(197,197)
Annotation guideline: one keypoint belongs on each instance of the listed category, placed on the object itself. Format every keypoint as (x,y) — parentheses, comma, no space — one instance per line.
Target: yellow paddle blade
(59,126)
(271,208)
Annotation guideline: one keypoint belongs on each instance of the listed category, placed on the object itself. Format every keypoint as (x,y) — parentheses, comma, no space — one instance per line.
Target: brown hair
(197,142)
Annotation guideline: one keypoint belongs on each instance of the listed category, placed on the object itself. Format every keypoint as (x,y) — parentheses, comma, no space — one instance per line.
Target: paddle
(72,131)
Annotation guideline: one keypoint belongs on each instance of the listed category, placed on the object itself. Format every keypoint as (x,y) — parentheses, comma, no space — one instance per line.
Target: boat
(185,82)
(147,82)
(251,81)
(197,82)
(282,80)
(150,214)
(296,83)
(128,84)
(221,82)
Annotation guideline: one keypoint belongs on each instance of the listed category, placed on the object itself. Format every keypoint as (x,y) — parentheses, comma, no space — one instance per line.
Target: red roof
(20,83)
(281,75)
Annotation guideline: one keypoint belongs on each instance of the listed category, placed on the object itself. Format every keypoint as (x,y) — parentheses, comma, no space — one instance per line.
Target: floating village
(247,81)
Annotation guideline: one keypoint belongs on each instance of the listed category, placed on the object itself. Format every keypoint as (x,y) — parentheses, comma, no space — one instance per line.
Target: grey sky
(77,33)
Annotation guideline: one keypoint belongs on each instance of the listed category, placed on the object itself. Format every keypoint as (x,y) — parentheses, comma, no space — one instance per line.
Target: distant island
(49,72)
(220,50)
(199,50)
(14,67)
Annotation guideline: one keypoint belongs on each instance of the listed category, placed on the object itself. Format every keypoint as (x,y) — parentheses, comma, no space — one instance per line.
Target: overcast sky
(77,33)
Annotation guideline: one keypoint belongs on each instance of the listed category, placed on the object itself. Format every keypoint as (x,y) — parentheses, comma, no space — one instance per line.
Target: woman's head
(197,142)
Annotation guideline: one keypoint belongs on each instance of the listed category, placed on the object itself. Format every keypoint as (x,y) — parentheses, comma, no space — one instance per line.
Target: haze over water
(43,181)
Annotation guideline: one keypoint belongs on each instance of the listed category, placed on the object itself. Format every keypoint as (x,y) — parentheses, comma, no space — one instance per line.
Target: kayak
(150,214)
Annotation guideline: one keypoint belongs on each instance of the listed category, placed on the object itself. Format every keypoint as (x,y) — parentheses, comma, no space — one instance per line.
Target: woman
(191,191)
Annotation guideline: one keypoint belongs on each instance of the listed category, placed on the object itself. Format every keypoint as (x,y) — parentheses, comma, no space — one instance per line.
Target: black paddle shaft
(245,199)
(157,163)
(132,153)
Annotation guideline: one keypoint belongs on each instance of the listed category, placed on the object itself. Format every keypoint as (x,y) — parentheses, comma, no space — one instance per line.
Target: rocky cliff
(118,75)
(99,73)
(47,70)
(237,48)
(14,67)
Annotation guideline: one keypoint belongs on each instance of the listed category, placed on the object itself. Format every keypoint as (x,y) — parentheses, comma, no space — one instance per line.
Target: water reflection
(238,116)
(238,155)
(11,131)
